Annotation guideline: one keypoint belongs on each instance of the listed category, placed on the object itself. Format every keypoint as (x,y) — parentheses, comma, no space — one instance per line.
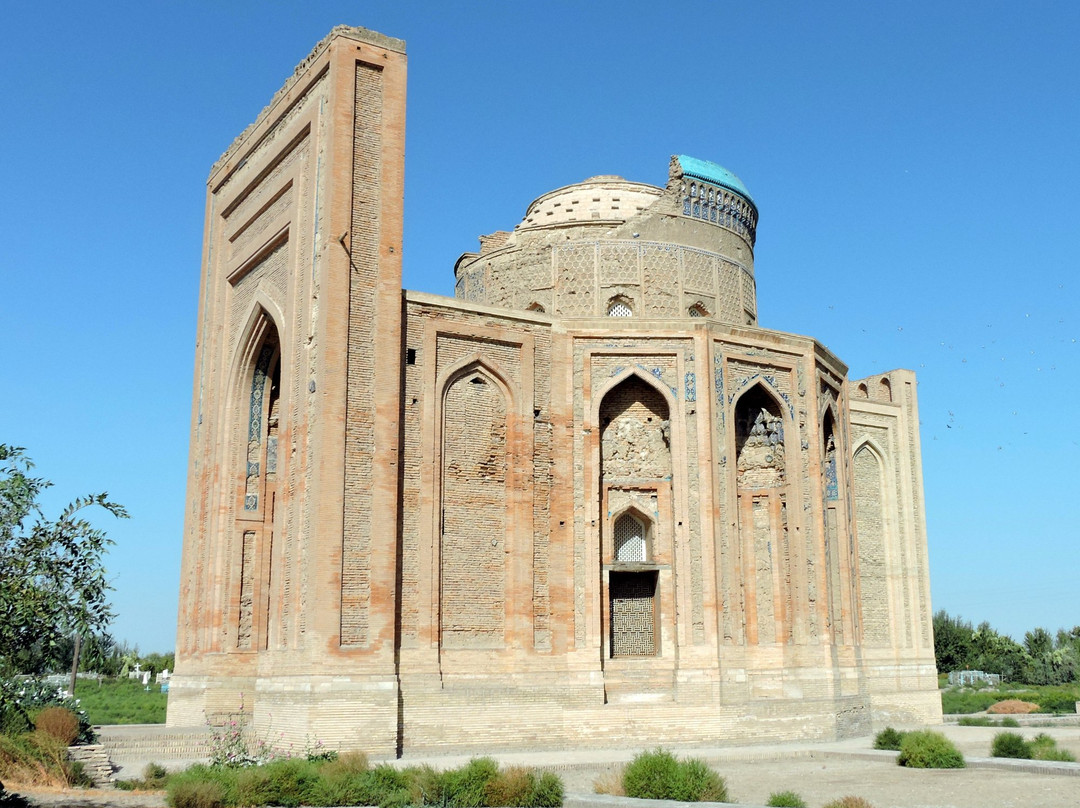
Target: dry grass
(34,759)
(610,782)
(849,802)
(58,723)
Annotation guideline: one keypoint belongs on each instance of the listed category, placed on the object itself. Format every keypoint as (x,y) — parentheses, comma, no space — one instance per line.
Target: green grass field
(121,701)
(1056,699)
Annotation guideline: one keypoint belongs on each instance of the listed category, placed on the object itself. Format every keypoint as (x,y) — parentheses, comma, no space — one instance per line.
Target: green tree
(996,653)
(952,642)
(52,580)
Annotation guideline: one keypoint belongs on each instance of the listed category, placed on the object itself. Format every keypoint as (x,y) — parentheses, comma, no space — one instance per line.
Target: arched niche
(474,475)
(635,431)
(631,533)
(759,440)
(885,389)
(871,487)
(257,427)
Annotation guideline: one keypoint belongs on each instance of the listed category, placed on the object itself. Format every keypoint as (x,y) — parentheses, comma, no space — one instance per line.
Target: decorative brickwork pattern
(699,271)
(619,264)
(660,275)
(252,233)
(505,356)
(247,586)
(870,527)
(749,295)
(273,272)
(360,412)
(474,476)
(575,272)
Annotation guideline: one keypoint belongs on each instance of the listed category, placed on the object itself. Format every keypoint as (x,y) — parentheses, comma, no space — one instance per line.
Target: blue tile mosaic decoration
(691,386)
(771,381)
(258,387)
(832,490)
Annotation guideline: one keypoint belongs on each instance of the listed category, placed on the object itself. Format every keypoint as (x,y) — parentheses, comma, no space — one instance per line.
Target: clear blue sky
(916,166)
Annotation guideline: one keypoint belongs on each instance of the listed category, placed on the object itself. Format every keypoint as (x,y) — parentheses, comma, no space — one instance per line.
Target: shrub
(1055,754)
(925,749)
(510,787)
(349,781)
(1043,747)
(466,787)
(965,701)
(425,785)
(888,738)
(658,775)
(155,778)
(197,794)
(549,792)
(651,776)
(785,799)
(848,802)
(518,787)
(1010,745)
(59,723)
(1056,701)
(21,699)
(984,721)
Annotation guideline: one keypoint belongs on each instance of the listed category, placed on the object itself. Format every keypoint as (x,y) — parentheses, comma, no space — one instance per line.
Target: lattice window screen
(633,622)
(619,309)
(629,536)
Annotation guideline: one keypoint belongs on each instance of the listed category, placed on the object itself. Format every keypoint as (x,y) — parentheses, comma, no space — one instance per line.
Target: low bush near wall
(348,780)
(58,723)
(659,775)
(848,802)
(785,799)
(155,777)
(1041,747)
(889,738)
(925,749)
(1010,745)
(983,721)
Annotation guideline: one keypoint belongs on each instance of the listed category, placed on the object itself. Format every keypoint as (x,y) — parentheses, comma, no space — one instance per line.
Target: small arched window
(629,533)
(698,310)
(536,307)
(885,390)
(619,307)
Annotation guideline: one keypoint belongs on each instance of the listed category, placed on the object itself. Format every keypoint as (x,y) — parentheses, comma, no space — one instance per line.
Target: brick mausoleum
(587,501)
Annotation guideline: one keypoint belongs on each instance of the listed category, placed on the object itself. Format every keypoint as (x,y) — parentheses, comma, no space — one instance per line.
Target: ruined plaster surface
(405,511)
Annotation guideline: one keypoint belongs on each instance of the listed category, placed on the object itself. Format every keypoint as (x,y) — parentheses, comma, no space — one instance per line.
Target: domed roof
(599,200)
(715,173)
